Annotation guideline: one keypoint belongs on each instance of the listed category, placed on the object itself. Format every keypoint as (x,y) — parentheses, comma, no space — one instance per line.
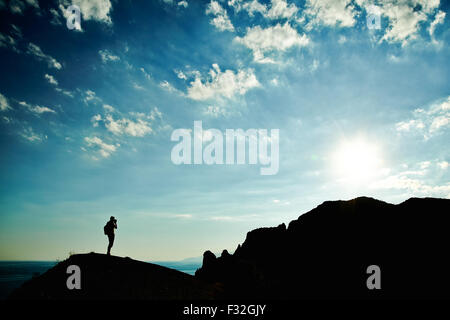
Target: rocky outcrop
(325,253)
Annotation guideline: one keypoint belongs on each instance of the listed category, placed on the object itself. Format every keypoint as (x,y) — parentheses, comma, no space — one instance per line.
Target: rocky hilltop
(325,253)
(109,277)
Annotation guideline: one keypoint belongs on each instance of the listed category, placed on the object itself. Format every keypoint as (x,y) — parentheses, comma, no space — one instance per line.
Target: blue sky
(86,117)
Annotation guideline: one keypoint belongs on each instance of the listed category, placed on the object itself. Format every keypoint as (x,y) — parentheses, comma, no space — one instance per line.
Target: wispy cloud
(36,51)
(31,136)
(330,13)
(100,147)
(51,79)
(428,121)
(183,3)
(265,42)
(4,104)
(415,180)
(225,84)
(107,56)
(36,109)
(89,96)
(280,9)
(183,216)
(146,74)
(221,20)
(137,128)
(438,19)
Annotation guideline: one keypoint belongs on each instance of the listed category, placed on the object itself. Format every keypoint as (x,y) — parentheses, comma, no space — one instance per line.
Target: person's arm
(115,225)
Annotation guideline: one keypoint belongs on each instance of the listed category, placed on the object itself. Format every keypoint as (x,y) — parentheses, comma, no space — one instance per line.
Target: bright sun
(356,161)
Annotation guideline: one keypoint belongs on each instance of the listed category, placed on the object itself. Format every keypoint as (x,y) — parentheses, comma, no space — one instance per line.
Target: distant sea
(14,273)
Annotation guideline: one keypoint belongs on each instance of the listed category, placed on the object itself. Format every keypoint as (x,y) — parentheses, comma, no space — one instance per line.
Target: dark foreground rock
(110,277)
(325,253)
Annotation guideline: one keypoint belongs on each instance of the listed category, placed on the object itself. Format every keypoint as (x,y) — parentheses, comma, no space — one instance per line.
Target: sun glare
(356,160)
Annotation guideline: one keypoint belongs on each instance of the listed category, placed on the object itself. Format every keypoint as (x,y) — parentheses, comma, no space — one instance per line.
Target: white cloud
(90,96)
(221,20)
(155,113)
(138,128)
(443,165)
(222,84)
(30,135)
(145,73)
(106,56)
(51,79)
(330,12)
(95,120)
(281,9)
(183,3)
(4,105)
(438,19)
(65,92)
(428,121)
(409,125)
(36,109)
(272,39)
(250,6)
(166,85)
(108,108)
(405,18)
(180,74)
(104,149)
(54,82)
(137,87)
(97,10)
(183,216)
(37,52)
(403,22)
(416,181)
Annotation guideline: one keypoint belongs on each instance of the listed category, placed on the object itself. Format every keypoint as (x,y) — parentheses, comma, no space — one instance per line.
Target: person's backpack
(106,229)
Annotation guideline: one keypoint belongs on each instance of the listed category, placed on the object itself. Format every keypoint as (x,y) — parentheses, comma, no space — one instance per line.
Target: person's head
(112,219)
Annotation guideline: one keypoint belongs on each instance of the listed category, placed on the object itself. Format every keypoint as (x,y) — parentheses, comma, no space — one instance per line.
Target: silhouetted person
(109,231)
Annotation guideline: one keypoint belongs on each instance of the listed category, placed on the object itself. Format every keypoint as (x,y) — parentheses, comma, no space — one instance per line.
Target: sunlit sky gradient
(86,117)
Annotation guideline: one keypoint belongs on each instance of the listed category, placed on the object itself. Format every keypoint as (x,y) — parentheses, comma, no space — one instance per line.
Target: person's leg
(111,242)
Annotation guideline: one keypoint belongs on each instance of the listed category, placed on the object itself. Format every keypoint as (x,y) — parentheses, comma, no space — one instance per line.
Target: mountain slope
(325,253)
(110,277)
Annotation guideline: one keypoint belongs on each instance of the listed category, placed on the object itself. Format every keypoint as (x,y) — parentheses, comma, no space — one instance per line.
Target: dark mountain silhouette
(326,251)
(323,254)
(111,277)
